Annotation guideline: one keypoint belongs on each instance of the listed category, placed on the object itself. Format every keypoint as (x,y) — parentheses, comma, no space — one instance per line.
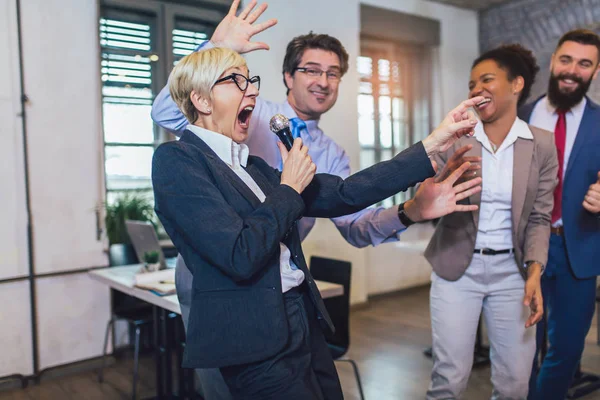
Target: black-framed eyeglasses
(334,76)
(241,81)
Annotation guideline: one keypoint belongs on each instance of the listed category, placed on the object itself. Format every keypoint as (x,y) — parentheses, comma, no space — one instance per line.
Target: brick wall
(537,25)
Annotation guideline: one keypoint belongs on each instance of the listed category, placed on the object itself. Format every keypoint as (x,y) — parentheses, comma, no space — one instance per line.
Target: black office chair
(340,272)
(126,308)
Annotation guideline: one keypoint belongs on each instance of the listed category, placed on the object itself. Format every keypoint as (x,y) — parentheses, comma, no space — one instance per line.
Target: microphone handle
(286,138)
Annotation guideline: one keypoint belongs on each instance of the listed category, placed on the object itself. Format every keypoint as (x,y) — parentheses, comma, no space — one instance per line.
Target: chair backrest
(340,272)
(144,239)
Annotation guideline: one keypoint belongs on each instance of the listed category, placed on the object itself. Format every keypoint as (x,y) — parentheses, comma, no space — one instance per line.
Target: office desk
(122,279)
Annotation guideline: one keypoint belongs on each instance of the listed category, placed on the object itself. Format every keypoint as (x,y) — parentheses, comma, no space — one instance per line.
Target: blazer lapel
(474,152)
(221,168)
(258,177)
(587,125)
(523,153)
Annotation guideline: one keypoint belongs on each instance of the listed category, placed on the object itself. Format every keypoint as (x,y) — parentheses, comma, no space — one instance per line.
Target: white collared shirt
(236,156)
(544,116)
(495,211)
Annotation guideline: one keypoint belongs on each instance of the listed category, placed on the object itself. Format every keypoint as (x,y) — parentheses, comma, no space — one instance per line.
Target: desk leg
(158,353)
(181,372)
(166,348)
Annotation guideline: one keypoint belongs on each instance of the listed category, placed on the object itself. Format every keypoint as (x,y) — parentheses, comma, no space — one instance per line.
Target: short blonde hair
(198,72)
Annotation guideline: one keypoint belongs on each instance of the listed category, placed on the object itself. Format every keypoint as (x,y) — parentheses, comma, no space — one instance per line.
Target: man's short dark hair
(581,36)
(296,48)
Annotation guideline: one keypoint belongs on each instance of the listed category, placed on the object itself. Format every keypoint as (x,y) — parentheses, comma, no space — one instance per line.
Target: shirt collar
(230,152)
(576,111)
(312,126)
(519,129)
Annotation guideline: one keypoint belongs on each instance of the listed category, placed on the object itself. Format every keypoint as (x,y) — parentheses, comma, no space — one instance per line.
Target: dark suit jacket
(230,240)
(535,166)
(582,229)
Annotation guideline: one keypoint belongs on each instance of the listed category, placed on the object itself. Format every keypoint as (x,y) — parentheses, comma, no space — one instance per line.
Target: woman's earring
(208,110)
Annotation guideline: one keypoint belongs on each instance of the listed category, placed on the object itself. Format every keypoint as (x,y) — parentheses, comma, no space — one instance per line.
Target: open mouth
(244,116)
(483,103)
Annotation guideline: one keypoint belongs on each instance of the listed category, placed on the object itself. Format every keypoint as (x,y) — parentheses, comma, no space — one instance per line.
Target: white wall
(341,18)
(61,62)
(13,229)
(15,314)
(61,70)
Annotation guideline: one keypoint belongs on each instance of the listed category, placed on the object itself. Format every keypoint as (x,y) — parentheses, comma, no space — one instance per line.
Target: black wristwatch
(403,217)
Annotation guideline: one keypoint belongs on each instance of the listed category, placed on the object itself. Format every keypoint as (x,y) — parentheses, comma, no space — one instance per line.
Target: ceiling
(473,4)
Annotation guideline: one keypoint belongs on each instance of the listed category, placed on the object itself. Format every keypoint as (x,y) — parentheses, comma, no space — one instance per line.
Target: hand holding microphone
(298,168)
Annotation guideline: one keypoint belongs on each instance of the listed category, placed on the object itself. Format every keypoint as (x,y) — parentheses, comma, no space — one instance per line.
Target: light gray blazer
(534,177)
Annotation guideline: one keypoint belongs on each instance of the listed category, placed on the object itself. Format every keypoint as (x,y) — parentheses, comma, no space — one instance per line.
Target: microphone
(280,126)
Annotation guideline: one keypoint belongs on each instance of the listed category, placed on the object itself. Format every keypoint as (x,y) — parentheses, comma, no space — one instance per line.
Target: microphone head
(279,122)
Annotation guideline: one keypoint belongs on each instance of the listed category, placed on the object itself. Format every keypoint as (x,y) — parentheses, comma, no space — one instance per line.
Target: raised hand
(436,199)
(459,122)
(235,32)
(591,201)
(298,168)
(456,160)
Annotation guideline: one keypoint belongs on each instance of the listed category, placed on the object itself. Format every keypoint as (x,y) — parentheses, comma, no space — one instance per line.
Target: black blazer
(230,240)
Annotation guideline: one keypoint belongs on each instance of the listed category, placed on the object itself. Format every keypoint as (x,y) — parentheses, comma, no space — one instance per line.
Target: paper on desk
(161,282)
(155,277)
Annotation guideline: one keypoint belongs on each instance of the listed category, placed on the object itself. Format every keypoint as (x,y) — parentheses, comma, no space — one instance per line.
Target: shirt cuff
(207,45)
(390,224)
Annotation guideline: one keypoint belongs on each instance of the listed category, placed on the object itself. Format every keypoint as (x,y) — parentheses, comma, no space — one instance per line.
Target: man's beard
(566,101)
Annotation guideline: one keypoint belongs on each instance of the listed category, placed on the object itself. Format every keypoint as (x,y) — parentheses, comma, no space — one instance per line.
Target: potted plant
(152,261)
(130,205)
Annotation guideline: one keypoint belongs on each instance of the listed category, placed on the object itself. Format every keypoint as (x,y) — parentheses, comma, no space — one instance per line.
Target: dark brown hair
(296,48)
(581,36)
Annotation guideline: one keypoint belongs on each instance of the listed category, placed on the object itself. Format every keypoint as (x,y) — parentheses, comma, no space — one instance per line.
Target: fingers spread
(247,10)
(233,8)
(461,152)
(263,26)
(458,173)
(467,193)
(464,208)
(256,13)
(467,185)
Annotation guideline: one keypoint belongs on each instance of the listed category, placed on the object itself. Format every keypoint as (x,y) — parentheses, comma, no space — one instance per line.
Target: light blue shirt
(370,226)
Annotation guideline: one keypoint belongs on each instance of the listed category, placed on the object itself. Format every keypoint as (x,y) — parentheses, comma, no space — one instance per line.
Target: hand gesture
(591,201)
(298,168)
(436,199)
(456,160)
(533,295)
(235,32)
(458,123)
